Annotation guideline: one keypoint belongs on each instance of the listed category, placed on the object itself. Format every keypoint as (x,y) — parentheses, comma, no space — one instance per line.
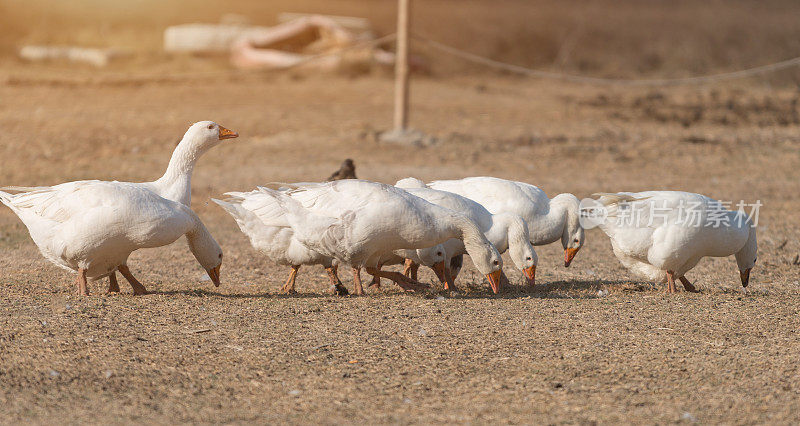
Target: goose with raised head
(548,219)
(91,227)
(360,222)
(175,184)
(507,231)
(661,235)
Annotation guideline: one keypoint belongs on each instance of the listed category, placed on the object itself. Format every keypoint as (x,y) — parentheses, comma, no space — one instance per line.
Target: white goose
(93,226)
(361,222)
(548,220)
(507,231)
(661,235)
(263,219)
(175,184)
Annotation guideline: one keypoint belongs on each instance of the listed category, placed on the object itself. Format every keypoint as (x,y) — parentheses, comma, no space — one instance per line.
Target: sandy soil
(565,352)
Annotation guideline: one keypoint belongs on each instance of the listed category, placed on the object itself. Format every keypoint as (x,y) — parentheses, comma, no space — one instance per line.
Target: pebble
(602,293)
(53,373)
(295,392)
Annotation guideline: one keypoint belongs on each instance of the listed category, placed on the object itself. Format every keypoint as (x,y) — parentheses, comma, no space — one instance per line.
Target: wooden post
(401,68)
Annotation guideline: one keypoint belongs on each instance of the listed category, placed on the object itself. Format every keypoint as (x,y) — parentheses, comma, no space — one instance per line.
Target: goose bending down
(548,220)
(660,235)
(263,219)
(360,222)
(91,227)
(507,231)
(175,184)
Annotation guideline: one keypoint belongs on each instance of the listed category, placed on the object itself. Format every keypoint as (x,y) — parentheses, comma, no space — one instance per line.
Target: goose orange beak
(494,280)
(441,271)
(745,275)
(569,254)
(530,274)
(213,273)
(227,133)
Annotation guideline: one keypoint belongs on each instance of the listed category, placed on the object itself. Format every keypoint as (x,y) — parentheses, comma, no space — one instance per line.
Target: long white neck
(176,184)
(550,227)
(458,226)
(498,233)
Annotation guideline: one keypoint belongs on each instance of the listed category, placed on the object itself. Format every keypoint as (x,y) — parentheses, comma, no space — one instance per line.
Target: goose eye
(528,258)
(576,241)
(220,255)
(496,262)
(210,126)
(438,253)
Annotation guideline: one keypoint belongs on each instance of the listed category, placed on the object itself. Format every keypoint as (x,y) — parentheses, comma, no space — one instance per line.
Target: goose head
(746,257)
(573,236)
(525,258)
(205,135)
(487,260)
(434,257)
(519,246)
(207,252)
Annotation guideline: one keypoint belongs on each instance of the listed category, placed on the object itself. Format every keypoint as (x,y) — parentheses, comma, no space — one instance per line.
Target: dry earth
(565,352)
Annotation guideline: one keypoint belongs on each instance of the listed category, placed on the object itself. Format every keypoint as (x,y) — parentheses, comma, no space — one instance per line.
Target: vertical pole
(401,68)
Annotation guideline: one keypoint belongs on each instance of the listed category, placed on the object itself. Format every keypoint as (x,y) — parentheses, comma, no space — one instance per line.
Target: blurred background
(620,38)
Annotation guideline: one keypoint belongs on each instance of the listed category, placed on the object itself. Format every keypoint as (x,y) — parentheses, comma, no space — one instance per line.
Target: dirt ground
(564,352)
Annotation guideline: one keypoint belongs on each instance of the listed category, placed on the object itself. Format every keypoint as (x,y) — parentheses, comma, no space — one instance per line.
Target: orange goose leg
(288,287)
(138,288)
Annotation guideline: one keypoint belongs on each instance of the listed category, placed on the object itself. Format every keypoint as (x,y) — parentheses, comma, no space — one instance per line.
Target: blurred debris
(409,137)
(346,171)
(205,38)
(796,260)
(351,23)
(297,41)
(94,56)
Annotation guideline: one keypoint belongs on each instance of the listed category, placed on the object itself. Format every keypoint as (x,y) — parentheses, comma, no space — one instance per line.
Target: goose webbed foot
(375,283)
(138,288)
(687,285)
(288,287)
(403,281)
(338,288)
(113,285)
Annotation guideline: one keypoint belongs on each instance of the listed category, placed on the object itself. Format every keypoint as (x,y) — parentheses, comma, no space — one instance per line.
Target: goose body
(360,222)
(262,219)
(93,226)
(548,219)
(661,235)
(506,231)
(174,185)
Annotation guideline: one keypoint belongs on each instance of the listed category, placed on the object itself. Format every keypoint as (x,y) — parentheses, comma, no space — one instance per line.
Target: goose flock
(91,227)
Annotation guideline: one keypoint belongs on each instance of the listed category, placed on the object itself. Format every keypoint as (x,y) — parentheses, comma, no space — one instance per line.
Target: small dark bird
(346,171)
